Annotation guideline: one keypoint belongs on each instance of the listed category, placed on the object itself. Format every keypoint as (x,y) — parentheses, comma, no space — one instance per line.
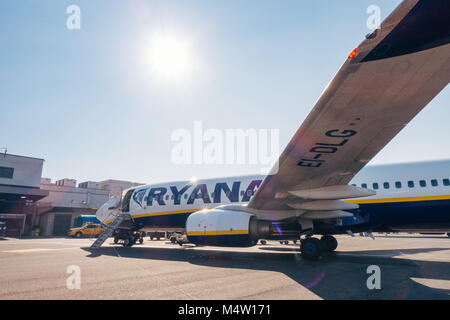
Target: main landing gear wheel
(311,248)
(127,242)
(329,243)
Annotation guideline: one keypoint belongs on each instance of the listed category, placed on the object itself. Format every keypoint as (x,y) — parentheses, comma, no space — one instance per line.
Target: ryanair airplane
(320,186)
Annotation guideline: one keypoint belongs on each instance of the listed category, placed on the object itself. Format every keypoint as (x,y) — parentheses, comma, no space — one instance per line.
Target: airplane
(320,185)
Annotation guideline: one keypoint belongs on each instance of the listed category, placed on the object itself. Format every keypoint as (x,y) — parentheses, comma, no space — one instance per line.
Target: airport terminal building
(66,201)
(30,204)
(20,191)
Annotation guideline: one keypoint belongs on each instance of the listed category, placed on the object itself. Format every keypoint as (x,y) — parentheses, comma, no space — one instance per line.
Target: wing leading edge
(392,76)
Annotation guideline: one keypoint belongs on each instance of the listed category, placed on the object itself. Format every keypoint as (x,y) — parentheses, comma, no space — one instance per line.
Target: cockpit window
(138,196)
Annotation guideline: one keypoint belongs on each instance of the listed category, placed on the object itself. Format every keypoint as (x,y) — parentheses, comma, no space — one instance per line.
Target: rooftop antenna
(6,150)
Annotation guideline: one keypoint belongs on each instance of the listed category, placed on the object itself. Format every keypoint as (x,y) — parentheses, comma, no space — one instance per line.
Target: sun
(170,57)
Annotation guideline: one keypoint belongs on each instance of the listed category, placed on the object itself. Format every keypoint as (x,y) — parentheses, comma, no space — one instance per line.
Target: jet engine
(224,227)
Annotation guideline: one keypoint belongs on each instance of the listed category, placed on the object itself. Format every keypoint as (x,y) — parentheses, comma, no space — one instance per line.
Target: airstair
(109,230)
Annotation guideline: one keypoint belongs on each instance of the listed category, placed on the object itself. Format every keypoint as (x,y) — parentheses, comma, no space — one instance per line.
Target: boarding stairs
(109,229)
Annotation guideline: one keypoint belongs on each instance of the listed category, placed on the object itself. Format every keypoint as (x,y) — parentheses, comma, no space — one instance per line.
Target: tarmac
(410,267)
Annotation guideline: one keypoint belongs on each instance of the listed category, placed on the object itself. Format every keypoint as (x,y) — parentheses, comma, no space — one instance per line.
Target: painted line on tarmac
(35,250)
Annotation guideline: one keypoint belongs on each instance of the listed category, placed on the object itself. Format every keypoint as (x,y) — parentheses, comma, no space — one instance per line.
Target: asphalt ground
(410,267)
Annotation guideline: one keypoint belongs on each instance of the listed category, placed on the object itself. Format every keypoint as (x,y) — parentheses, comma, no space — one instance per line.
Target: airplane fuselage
(410,197)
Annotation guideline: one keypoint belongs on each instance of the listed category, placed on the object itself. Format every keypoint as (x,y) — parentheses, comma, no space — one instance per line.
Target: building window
(364,185)
(398,184)
(6,172)
(411,184)
(375,186)
(446,182)
(422,183)
(386,185)
(434,183)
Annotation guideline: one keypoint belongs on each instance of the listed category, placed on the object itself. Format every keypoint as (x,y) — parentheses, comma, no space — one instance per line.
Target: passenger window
(422,183)
(386,185)
(411,184)
(434,183)
(446,182)
(364,185)
(398,184)
(375,186)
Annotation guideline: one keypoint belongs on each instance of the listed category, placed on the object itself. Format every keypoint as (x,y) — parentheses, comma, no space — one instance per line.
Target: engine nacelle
(226,228)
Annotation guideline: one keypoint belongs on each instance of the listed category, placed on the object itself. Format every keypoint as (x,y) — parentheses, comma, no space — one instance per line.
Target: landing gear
(329,243)
(127,242)
(129,238)
(311,248)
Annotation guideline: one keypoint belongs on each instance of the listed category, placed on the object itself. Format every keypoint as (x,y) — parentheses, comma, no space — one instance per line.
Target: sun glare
(171,58)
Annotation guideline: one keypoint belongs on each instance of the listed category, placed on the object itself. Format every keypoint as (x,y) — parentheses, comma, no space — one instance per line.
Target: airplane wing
(393,74)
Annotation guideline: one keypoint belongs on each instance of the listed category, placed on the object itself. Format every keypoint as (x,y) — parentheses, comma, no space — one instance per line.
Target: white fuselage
(167,205)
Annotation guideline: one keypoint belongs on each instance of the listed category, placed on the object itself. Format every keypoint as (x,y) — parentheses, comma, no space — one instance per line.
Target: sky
(95,105)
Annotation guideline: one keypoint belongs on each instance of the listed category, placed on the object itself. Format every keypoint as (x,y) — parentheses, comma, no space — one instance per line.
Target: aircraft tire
(311,249)
(127,242)
(329,243)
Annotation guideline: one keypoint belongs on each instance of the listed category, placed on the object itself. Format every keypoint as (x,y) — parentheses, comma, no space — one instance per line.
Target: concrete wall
(111,184)
(70,197)
(47,220)
(27,171)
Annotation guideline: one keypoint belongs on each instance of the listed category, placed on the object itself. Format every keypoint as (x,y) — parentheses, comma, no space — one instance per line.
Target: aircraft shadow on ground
(340,275)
